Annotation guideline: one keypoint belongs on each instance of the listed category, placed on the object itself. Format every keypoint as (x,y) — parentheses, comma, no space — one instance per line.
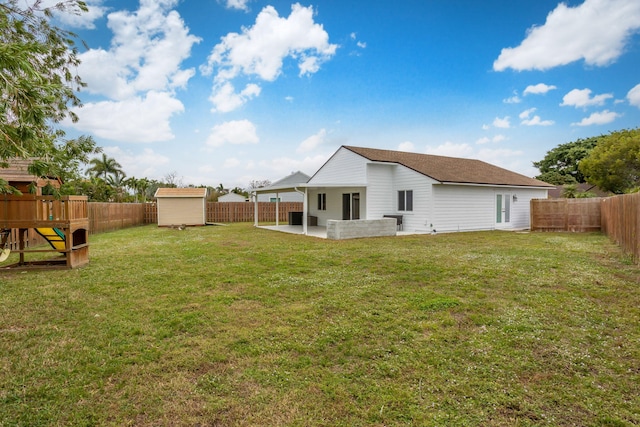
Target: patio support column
(255,210)
(304,212)
(277,208)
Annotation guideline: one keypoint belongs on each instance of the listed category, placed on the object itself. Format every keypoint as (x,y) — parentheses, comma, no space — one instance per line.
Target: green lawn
(237,326)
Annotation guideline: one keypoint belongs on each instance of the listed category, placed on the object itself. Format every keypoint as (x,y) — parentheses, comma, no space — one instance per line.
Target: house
(232,197)
(17,175)
(426,193)
(273,192)
(181,206)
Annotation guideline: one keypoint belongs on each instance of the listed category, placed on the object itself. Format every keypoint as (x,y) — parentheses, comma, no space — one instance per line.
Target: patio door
(503,210)
(350,206)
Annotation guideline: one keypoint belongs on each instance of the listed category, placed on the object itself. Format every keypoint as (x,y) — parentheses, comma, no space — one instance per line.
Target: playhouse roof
(18,172)
(450,169)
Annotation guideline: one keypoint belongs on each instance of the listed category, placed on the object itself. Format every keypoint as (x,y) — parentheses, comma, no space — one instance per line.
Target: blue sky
(234,91)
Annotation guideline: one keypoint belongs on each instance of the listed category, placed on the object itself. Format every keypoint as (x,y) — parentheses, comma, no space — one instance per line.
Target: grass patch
(242,326)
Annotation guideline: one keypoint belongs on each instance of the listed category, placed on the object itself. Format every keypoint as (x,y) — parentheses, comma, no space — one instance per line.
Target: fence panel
(621,222)
(576,215)
(114,216)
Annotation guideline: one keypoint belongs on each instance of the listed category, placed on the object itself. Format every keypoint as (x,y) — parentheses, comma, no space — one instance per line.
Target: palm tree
(104,167)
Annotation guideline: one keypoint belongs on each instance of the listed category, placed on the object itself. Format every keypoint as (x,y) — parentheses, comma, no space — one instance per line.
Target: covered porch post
(277,208)
(255,209)
(305,217)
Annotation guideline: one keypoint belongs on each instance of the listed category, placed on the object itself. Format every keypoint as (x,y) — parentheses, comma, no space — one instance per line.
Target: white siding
(465,208)
(420,218)
(289,196)
(380,199)
(344,167)
(334,203)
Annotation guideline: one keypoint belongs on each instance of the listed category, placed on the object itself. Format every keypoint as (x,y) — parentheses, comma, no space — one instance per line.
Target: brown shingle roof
(450,169)
(181,192)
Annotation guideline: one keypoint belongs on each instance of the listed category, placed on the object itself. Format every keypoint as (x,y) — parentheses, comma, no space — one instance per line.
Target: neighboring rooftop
(289,181)
(450,169)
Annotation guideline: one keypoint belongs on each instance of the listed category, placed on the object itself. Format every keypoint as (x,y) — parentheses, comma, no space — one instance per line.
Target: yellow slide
(54,236)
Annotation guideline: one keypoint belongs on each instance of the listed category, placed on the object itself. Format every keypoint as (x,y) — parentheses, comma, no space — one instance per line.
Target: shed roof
(450,169)
(181,192)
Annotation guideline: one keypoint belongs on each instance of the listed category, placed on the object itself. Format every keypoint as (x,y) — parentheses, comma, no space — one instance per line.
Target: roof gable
(449,169)
(181,192)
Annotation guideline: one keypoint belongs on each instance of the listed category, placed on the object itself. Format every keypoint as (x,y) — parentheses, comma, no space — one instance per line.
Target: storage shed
(181,206)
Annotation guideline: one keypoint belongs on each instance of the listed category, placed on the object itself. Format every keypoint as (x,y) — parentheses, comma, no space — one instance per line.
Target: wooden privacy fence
(618,217)
(621,222)
(114,216)
(236,211)
(577,215)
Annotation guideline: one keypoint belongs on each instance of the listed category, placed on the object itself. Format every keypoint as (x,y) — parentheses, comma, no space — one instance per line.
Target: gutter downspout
(304,210)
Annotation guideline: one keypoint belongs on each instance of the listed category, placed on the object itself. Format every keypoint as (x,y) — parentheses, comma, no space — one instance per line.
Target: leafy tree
(561,164)
(37,86)
(104,166)
(614,164)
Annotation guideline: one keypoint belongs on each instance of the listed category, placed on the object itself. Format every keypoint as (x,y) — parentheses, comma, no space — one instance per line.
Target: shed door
(503,210)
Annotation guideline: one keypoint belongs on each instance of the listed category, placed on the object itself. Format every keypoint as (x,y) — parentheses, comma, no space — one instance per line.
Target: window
(405,200)
(274,199)
(322,201)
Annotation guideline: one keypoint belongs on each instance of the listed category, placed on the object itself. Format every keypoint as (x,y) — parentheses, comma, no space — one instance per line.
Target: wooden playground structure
(63,222)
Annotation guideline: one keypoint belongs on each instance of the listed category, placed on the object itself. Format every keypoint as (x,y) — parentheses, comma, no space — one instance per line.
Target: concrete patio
(321,232)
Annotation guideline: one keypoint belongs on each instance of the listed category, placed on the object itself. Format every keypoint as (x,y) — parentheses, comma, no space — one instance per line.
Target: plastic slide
(4,251)
(54,236)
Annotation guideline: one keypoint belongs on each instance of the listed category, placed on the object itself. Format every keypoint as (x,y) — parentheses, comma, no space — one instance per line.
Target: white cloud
(451,149)
(142,164)
(538,89)
(582,98)
(313,142)
(595,31)
(137,75)
(146,51)
(139,119)
(529,120)
(260,51)
(225,99)
(601,118)
(279,164)
(496,139)
(502,123)
(634,96)
(233,132)
(503,157)
(406,146)
(515,99)
(537,121)
(237,4)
